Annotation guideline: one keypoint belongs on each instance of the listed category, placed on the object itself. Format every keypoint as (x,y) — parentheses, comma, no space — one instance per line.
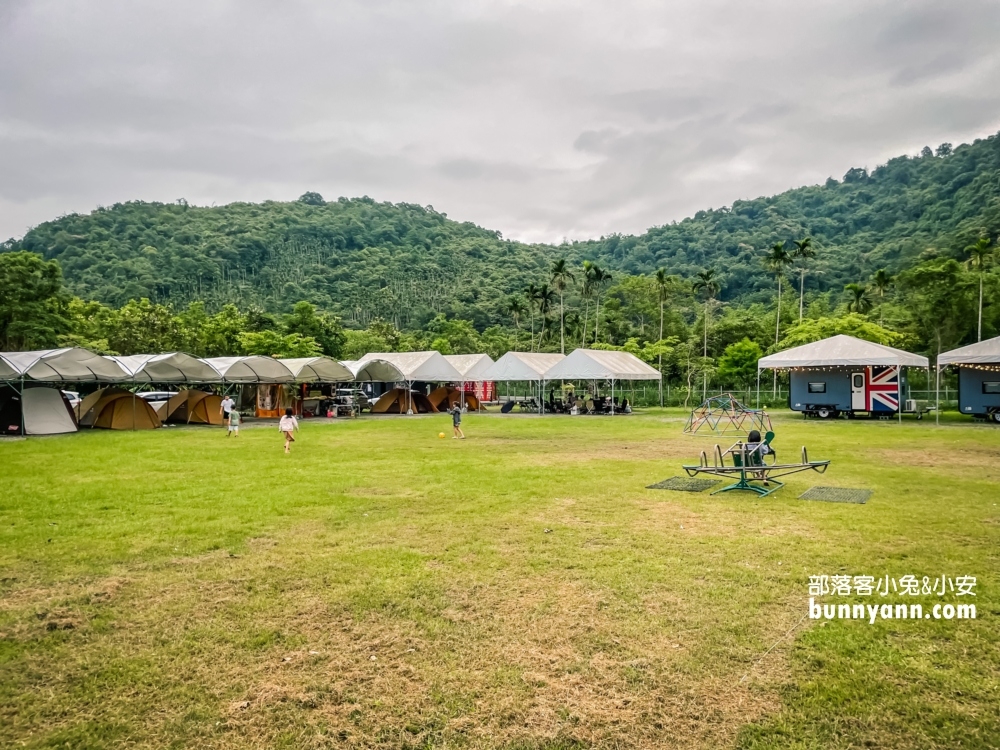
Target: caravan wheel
(995,416)
(825,413)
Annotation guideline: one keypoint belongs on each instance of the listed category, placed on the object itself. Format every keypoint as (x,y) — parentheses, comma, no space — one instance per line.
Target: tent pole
(612,397)
(899,380)
(937,392)
(758,388)
(24,425)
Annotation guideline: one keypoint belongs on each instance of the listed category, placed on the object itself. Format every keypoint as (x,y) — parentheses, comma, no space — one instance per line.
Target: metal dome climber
(725,415)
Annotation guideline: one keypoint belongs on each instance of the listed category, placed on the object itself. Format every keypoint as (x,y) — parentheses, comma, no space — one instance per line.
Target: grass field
(381,587)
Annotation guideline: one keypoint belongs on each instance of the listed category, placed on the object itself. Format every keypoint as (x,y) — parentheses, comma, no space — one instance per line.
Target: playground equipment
(748,462)
(725,415)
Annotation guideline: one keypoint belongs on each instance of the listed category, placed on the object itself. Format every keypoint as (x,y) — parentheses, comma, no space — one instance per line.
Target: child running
(287,425)
(234,424)
(456,422)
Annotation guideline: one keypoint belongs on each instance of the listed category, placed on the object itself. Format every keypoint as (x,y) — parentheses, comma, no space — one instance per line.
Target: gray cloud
(541,120)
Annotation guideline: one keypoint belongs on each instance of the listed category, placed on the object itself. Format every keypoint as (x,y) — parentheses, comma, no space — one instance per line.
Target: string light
(984,368)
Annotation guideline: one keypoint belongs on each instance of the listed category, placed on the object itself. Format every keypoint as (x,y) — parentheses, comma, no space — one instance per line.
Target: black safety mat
(684,484)
(837,495)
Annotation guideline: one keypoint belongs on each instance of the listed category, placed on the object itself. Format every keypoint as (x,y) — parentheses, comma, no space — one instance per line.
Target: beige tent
(445,397)
(121,410)
(85,413)
(192,407)
(398,401)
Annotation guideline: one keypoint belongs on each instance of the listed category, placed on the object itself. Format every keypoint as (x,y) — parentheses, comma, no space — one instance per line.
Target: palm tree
(515,308)
(561,276)
(881,281)
(980,254)
(545,297)
(601,279)
(859,303)
(803,251)
(661,279)
(777,261)
(531,294)
(587,292)
(706,283)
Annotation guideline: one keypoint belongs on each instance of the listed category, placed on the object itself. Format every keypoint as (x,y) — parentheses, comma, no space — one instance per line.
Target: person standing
(288,425)
(456,422)
(226,409)
(233,421)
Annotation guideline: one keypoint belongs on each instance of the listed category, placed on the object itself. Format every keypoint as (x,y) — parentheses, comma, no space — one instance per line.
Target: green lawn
(381,587)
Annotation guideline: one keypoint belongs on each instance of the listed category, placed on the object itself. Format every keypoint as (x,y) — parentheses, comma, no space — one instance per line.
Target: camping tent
(375,371)
(531,367)
(191,406)
(115,409)
(401,401)
(34,411)
(429,367)
(840,351)
(61,366)
(175,367)
(252,369)
(598,364)
(318,370)
(444,397)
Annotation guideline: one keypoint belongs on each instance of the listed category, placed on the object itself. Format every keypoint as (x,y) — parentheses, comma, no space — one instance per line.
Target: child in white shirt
(287,425)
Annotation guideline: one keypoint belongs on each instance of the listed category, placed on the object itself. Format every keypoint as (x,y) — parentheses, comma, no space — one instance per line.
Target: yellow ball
(441,434)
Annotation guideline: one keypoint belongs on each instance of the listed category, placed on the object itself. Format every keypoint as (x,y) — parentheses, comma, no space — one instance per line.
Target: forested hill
(405,263)
(942,199)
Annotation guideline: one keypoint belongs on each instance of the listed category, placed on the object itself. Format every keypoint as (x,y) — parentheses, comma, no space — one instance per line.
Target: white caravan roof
(840,350)
(985,352)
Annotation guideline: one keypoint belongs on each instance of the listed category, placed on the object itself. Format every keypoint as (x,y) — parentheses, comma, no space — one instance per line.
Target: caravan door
(858,400)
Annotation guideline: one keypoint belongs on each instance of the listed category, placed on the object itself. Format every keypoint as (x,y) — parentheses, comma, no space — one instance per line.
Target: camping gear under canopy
(318,370)
(251,369)
(599,364)
(526,366)
(375,371)
(174,367)
(61,366)
(984,353)
(840,351)
(429,367)
(35,411)
(401,401)
(472,366)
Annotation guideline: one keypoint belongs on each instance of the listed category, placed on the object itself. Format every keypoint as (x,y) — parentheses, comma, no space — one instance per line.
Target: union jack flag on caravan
(882,388)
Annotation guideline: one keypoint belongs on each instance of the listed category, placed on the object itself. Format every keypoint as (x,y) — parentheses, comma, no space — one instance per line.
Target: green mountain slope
(405,263)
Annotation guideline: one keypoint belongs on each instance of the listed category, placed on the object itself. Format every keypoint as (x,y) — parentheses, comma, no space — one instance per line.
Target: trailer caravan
(845,375)
(978,378)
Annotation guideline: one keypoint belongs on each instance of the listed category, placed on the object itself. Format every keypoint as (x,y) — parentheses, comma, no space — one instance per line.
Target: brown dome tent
(398,401)
(192,407)
(445,397)
(115,409)
(85,413)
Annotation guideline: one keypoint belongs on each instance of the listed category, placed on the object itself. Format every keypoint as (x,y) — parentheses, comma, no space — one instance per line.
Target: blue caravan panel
(979,392)
(826,392)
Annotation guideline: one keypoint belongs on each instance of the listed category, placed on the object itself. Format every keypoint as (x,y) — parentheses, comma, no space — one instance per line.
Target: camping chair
(749,464)
(507,407)
(590,406)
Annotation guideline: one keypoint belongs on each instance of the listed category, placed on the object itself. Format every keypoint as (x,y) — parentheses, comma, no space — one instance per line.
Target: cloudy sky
(541,119)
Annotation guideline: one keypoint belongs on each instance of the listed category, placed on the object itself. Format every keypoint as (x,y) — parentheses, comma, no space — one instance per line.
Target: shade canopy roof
(471,366)
(427,366)
(597,364)
(840,350)
(375,371)
(252,369)
(61,365)
(175,367)
(523,366)
(985,352)
(318,370)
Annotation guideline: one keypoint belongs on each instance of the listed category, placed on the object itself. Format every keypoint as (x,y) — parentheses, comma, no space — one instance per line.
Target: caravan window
(817,387)
(991,387)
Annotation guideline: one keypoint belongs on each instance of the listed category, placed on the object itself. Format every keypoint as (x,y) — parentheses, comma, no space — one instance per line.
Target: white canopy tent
(252,369)
(318,370)
(61,366)
(981,353)
(841,351)
(529,367)
(375,371)
(472,367)
(598,364)
(175,367)
(430,367)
